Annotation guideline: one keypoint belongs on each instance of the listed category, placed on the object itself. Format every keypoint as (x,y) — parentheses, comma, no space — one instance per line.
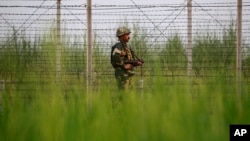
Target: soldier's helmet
(122,30)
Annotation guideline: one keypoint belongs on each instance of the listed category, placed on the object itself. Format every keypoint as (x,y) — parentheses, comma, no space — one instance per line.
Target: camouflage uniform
(120,52)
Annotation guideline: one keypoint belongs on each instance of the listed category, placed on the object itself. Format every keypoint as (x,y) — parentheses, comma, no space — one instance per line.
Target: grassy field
(166,112)
(37,106)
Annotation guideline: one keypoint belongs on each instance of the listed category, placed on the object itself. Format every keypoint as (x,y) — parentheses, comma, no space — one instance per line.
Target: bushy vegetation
(212,53)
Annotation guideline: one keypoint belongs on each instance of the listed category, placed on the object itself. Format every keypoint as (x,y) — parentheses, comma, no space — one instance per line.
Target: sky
(163,18)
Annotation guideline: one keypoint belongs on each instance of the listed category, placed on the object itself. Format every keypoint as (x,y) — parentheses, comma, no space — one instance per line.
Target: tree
(173,56)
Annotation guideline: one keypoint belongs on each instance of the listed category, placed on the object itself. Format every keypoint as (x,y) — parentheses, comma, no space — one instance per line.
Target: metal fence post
(238,46)
(189,37)
(89,53)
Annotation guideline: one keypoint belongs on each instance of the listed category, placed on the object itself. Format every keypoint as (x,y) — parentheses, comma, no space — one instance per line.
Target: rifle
(133,62)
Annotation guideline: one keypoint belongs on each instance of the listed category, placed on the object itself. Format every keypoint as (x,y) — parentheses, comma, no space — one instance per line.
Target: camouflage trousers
(124,79)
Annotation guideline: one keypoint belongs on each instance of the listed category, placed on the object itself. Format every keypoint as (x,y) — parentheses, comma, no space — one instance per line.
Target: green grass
(165,112)
(37,106)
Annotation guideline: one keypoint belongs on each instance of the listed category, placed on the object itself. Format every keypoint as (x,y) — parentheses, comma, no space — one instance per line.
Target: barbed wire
(123,7)
(156,19)
(35,0)
(16,32)
(30,16)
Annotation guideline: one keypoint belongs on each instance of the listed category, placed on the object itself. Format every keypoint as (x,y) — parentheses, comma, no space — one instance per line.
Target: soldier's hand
(127,66)
(139,63)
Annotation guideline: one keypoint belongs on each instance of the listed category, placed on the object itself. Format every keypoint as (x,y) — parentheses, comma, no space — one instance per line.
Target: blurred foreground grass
(165,112)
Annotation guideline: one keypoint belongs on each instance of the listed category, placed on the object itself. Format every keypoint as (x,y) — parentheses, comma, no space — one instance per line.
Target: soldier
(123,59)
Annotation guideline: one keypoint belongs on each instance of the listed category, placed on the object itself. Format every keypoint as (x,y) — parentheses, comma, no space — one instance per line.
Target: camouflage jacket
(118,55)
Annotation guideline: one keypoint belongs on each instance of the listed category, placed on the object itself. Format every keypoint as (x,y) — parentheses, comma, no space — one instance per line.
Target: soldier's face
(125,37)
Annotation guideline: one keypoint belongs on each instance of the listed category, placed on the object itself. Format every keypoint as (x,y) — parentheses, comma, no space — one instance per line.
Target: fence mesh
(159,36)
